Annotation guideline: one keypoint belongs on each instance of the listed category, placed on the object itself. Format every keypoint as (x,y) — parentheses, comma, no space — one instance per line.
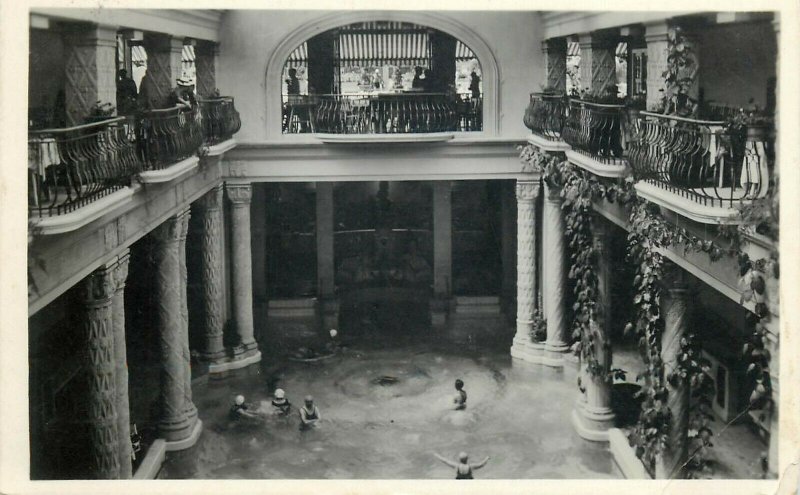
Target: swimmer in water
(460,399)
(309,414)
(463,468)
(239,410)
(280,404)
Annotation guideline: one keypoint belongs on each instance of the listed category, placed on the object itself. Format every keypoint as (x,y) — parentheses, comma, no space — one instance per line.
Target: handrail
(701,160)
(545,115)
(71,167)
(597,130)
(168,135)
(220,117)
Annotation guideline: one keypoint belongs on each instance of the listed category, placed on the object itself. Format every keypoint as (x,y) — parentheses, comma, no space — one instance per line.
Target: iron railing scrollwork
(169,135)
(220,119)
(71,167)
(702,160)
(545,115)
(596,129)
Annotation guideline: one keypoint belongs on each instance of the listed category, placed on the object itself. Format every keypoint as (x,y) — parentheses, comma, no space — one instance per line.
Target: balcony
(73,167)
(595,132)
(545,118)
(700,168)
(75,174)
(382,117)
(220,118)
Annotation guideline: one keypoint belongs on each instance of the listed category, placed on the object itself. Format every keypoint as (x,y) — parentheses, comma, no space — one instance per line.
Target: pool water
(387,407)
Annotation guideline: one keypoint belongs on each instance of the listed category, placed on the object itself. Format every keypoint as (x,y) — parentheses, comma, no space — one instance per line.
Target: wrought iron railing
(220,118)
(169,135)
(701,160)
(596,129)
(390,113)
(545,115)
(71,167)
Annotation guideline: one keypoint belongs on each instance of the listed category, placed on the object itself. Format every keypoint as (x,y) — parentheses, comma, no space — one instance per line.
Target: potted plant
(100,111)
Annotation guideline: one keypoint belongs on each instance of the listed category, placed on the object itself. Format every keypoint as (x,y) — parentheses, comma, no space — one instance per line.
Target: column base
(555,355)
(329,309)
(592,425)
(187,442)
(177,430)
(440,309)
(211,357)
(238,361)
(523,349)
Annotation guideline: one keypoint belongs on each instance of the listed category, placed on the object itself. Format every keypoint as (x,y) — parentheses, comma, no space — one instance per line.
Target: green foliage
(680,95)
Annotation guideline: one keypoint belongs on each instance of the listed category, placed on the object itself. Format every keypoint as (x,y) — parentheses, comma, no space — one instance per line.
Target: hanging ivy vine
(649,234)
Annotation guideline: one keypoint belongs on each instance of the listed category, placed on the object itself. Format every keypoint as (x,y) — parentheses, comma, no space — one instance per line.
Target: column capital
(212,200)
(674,281)
(159,42)
(98,287)
(527,190)
(552,193)
(656,32)
(183,224)
(206,48)
(119,270)
(555,45)
(239,194)
(169,231)
(599,39)
(94,34)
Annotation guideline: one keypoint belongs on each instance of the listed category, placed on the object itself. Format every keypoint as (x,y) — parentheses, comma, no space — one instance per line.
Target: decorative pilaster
(553,277)
(656,37)
(205,62)
(595,416)
(555,57)
(211,274)
(163,66)
(325,266)
(174,424)
(527,193)
(598,61)
(242,268)
(509,248)
(98,292)
(442,251)
(119,274)
(191,410)
(676,319)
(90,70)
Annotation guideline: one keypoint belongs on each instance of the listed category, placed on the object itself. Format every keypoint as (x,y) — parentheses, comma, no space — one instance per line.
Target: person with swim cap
(239,410)
(309,414)
(280,404)
(463,468)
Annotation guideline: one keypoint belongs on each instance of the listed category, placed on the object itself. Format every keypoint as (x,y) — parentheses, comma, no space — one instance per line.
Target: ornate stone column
(555,57)
(98,292)
(527,193)
(205,60)
(675,311)
(442,251)
(90,70)
(553,278)
(509,247)
(191,410)
(119,274)
(598,60)
(212,276)
(242,276)
(325,267)
(174,424)
(163,66)
(595,417)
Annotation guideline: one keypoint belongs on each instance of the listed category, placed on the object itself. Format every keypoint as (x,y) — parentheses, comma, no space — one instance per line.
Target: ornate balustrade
(69,168)
(220,118)
(596,130)
(169,135)
(390,113)
(545,115)
(701,160)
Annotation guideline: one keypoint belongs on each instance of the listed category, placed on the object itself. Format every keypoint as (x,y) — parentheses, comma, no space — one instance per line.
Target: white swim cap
(463,457)
(239,400)
(279,393)
(333,332)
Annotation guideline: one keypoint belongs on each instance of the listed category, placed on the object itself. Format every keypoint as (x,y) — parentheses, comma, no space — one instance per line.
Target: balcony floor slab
(221,147)
(68,222)
(429,137)
(614,170)
(170,173)
(692,210)
(545,144)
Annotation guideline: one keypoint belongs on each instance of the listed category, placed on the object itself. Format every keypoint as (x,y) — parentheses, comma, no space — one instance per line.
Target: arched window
(381,77)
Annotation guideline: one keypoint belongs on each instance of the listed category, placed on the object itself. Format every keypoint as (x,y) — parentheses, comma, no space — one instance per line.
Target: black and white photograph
(389,244)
